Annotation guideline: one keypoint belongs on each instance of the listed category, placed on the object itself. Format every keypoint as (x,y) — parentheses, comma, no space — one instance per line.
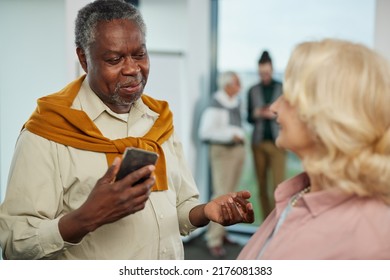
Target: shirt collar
(316,202)
(320,201)
(93,106)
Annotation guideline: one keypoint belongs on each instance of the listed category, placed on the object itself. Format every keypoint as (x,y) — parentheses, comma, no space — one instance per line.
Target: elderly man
(63,201)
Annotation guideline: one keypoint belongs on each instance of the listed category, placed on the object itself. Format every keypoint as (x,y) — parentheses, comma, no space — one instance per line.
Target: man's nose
(130,66)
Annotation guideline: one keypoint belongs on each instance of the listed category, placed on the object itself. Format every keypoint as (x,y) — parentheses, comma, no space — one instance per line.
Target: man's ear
(82,59)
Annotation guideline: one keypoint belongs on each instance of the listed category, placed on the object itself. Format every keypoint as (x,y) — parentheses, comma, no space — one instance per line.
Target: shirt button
(161,216)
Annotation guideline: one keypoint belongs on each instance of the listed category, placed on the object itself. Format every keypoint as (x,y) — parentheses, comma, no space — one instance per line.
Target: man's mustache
(131,82)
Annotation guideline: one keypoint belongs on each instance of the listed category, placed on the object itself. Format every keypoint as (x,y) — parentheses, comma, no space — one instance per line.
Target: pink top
(327,224)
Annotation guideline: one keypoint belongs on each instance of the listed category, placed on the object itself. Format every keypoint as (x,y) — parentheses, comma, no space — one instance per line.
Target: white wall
(178,39)
(382,30)
(73,68)
(166,23)
(32,55)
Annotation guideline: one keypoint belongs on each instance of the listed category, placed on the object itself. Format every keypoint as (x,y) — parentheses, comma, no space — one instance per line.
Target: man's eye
(139,55)
(114,60)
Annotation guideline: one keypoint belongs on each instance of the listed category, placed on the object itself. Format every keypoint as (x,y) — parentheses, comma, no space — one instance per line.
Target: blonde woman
(334,114)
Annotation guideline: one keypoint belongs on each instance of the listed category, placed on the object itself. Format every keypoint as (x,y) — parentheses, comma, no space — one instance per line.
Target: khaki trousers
(268,159)
(226,168)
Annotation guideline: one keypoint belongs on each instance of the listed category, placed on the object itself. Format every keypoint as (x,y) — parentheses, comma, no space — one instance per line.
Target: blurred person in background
(221,127)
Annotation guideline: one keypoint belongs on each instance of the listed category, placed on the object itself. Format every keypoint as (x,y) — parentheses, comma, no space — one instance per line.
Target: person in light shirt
(221,127)
(334,115)
(62,199)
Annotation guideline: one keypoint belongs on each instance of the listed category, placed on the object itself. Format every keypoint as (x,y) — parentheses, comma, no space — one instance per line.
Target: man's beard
(118,100)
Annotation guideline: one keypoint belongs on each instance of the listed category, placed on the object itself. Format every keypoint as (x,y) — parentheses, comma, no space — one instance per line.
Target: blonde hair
(342,92)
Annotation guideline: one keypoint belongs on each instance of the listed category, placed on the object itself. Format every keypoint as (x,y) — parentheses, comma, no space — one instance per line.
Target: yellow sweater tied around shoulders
(55,120)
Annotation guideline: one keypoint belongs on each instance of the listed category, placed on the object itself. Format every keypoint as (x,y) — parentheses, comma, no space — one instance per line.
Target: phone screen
(133,159)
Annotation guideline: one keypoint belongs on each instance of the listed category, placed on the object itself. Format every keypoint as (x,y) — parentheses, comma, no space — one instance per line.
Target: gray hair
(226,78)
(103,10)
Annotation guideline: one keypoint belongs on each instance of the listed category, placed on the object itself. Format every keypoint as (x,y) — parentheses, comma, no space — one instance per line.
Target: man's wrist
(198,216)
(73,227)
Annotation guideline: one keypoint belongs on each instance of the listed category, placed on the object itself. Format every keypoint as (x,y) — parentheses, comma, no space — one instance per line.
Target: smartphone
(133,159)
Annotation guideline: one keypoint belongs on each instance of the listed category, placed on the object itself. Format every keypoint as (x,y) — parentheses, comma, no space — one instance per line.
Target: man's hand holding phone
(134,159)
(112,199)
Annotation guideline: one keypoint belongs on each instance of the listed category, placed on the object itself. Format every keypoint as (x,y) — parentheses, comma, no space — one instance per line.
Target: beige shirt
(48,180)
(327,224)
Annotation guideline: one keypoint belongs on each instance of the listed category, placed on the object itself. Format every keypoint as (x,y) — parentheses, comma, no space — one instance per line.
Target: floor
(196,248)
